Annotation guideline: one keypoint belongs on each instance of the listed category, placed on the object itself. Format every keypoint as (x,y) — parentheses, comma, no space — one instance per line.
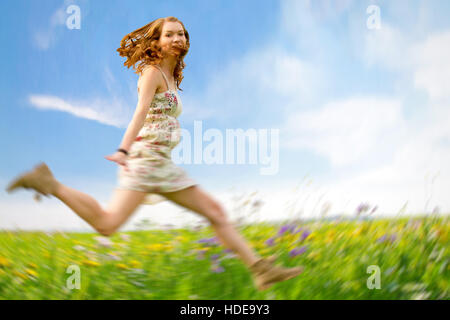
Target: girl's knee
(106,226)
(106,231)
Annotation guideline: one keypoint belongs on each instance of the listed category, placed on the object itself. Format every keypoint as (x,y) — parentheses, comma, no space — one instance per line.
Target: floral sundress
(149,159)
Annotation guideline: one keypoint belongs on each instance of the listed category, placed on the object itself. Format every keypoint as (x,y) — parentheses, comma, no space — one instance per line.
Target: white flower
(125,237)
(113,256)
(421,296)
(79,248)
(103,241)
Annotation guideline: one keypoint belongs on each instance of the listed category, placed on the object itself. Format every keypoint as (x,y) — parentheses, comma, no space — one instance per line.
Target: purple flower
(297,251)
(283,229)
(208,241)
(363,207)
(217,268)
(299,229)
(227,250)
(305,235)
(200,255)
(215,257)
(270,241)
(373,209)
(393,237)
(386,237)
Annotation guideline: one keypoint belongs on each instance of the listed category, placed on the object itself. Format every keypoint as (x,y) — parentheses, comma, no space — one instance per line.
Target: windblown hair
(141,46)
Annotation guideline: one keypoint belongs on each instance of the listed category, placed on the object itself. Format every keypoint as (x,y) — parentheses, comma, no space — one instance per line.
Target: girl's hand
(119,158)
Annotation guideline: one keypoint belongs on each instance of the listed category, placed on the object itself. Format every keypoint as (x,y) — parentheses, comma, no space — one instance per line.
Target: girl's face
(172,38)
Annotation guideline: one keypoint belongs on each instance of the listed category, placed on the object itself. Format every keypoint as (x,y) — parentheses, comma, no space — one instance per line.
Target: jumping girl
(146,173)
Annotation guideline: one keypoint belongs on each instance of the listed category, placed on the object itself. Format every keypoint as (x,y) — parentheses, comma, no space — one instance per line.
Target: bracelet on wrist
(123,150)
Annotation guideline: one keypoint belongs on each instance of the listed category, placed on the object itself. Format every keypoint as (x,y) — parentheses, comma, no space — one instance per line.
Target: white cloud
(284,73)
(265,80)
(103,111)
(386,46)
(306,24)
(346,131)
(112,111)
(403,159)
(432,65)
(412,165)
(419,171)
(418,174)
(424,60)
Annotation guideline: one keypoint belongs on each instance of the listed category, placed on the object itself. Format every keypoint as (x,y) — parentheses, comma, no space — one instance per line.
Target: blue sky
(362,113)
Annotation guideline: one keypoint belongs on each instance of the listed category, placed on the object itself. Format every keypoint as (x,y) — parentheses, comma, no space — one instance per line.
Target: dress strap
(165,78)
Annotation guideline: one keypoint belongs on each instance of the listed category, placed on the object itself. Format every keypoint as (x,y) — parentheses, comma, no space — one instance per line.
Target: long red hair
(141,47)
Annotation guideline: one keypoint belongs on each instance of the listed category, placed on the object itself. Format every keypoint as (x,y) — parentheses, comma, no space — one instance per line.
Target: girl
(146,172)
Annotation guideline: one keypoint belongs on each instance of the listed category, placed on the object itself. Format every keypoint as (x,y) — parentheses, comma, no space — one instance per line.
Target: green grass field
(412,255)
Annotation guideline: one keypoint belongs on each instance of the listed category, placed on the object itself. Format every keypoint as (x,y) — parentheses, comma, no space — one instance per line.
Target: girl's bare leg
(197,200)
(106,221)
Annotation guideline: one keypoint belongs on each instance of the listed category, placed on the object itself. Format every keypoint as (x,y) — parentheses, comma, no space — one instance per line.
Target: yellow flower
(31,272)
(256,245)
(169,247)
(122,266)
(155,246)
(357,232)
(330,236)
(311,236)
(292,245)
(313,255)
(179,238)
(91,263)
(135,263)
(444,235)
(441,233)
(19,274)
(4,262)
(292,237)
(32,265)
